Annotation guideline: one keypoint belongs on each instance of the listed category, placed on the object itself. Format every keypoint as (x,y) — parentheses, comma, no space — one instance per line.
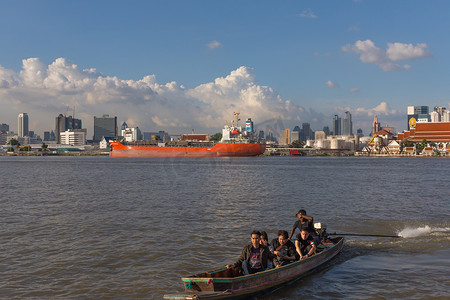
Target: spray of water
(410,232)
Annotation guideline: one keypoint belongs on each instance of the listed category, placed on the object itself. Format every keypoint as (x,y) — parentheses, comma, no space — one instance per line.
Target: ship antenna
(236,115)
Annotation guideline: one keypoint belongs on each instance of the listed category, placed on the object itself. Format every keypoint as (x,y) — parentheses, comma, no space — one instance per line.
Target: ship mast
(236,116)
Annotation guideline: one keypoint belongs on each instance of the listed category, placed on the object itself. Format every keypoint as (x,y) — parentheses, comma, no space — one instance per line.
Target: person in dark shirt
(284,249)
(254,257)
(264,240)
(305,245)
(304,221)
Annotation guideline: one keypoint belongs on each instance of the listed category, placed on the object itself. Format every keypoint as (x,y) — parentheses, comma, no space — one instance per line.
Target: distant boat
(226,283)
(236,141)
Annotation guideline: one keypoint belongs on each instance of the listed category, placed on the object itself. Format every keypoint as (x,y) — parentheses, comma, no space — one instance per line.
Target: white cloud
(369,53)
(330,84)
(381,109)
(307,13)
(214,44)
(363,117)
(399,51)
(45,91)
(354,90)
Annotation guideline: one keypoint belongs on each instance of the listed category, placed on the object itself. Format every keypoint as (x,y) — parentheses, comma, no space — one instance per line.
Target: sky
(183,65)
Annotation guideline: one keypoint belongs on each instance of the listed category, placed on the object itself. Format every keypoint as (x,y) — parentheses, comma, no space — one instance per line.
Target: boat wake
(410,232)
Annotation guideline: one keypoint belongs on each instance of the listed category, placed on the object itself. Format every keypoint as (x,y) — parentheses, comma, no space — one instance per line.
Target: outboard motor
(321,231)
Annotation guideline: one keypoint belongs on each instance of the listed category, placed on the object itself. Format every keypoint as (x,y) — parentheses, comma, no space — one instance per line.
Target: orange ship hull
(218,150)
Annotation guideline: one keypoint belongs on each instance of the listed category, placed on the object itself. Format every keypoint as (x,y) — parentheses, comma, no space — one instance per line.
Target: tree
(216,137)
(44,147)
(13,142)
(422,144)
(297,144)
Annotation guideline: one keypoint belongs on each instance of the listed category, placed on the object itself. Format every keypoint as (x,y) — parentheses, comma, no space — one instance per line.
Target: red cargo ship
(235,142)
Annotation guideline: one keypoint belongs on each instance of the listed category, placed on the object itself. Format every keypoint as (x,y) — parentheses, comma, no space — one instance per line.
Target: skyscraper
(306,133)
(4,127)
(417,114)
(63,123)
(23,125)
(347,125)
(337,125)
(295,134)
(104,126)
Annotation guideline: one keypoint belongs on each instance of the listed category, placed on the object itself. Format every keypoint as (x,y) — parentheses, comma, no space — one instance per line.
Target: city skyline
(180,66)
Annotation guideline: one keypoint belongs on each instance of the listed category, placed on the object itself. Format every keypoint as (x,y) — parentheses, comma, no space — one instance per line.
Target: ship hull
(218,150)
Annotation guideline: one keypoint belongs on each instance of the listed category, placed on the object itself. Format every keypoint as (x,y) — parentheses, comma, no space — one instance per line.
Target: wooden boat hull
(220,284)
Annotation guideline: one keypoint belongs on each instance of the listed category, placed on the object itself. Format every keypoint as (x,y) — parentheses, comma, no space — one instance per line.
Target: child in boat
(265,241)
(305,245)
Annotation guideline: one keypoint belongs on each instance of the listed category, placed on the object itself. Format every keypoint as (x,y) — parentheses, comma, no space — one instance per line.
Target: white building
(131,134)
(435,116)
(446,116)
(23,124)
(75,137)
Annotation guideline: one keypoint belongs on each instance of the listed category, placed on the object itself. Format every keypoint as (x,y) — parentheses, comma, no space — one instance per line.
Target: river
(101,227)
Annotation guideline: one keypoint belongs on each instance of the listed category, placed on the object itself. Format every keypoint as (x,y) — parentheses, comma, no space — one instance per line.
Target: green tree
(13,142)
(297,144)
(26,148)
(422,144)
(216,137)
(10,149)
(44,147)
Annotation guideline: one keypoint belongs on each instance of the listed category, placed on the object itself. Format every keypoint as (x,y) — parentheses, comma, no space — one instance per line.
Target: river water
(100,227)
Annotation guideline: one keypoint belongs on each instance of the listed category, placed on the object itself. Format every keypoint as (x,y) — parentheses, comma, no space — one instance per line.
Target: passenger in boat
(264,240)
(305,244)
(284,249)
(254,257)
(304,221)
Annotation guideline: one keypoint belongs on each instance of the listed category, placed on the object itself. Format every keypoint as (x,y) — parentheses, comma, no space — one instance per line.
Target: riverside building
(23,125)
(104,126)
(63,124)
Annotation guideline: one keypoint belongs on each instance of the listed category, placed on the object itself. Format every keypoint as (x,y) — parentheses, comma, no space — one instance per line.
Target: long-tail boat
(230,284)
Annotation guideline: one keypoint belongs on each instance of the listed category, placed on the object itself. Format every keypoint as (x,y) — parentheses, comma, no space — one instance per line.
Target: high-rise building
(347,125)
(261,135)
(63,123)
(435,116)
(104,126)
(446,116)
(123,127)
(337,125)
(4,127)
(306,133)
(417,114)
(23,125)
(295,134)
(285,137)
(359,132)
(46,135)
(326,129)
(440,109)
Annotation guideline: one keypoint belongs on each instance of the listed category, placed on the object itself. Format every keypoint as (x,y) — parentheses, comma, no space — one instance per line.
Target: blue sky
(178,65)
